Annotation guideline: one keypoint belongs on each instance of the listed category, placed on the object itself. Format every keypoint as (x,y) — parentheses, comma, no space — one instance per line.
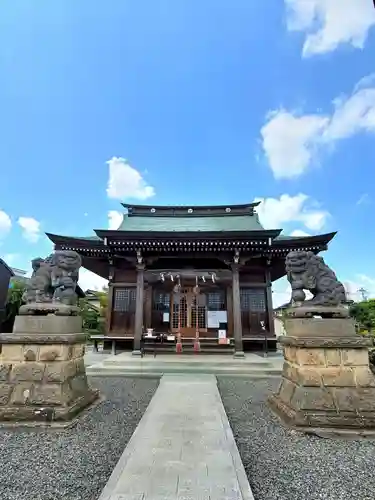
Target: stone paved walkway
(183,448)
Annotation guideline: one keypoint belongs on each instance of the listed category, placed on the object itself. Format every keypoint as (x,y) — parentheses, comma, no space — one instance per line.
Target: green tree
(89,315)
(14,299)
(364,314)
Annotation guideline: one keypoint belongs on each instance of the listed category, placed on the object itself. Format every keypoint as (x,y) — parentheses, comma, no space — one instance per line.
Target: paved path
(183,448)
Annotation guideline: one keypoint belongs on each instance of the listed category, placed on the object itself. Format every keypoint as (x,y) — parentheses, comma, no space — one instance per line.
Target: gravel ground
(286,465)
(74,464)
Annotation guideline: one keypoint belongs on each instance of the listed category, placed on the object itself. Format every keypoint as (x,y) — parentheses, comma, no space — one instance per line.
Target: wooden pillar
(109,308)
(229,307)
(271,324)
(237,323)
(148,306)
(109,312)
(138,327)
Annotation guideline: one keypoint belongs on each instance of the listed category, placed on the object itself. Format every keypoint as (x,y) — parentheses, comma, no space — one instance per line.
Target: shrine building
(197,274)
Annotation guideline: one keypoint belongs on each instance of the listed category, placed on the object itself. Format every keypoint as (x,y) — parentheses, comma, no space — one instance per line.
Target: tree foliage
(364,314)
(92,316)
(14,299)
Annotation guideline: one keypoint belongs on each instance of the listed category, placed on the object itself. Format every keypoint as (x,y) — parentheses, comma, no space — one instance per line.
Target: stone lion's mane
(308,271)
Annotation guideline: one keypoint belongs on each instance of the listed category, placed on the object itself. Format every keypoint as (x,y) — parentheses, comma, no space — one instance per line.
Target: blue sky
(208,102)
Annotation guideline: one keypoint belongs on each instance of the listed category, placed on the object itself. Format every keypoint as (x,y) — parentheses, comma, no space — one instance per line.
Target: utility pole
(363,293)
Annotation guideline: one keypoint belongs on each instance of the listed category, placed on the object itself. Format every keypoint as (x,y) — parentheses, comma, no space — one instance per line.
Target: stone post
(237,322)
(42,371)
(138,326)
(327,387)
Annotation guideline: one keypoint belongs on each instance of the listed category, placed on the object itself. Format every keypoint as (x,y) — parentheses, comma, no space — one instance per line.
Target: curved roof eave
(196,207)
(59,239)
(303,240)
(262,233)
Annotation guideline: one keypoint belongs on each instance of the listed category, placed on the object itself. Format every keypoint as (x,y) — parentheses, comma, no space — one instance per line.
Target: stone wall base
(327,387)
(43,377)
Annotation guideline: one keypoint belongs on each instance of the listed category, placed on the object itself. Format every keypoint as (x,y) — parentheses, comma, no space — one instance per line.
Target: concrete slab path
(182,449)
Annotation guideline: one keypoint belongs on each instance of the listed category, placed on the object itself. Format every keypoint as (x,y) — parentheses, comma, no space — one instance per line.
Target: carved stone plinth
(327,387)
(42,371)
(44,308)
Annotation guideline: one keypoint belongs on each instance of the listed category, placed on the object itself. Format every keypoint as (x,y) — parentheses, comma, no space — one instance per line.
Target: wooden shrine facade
(190,272)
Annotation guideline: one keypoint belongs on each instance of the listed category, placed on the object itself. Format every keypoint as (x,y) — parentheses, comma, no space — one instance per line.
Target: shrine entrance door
(189,312)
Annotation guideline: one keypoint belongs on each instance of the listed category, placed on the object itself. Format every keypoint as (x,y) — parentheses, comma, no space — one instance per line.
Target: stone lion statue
(64,275)
(39,287)
(307,271)
(54,279)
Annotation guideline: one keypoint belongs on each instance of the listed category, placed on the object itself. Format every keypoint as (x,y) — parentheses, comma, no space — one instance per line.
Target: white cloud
(126,182)
(330,23)
(364,199)
(362,286)
(30,228)
(274,213)
(90,281)
(115,219)
(5,224)
(298,232)
(282,292)
(11,258)
(291,141)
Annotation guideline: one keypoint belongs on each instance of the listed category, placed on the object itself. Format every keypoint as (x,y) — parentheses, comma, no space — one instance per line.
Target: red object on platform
(197,347)
(178,347)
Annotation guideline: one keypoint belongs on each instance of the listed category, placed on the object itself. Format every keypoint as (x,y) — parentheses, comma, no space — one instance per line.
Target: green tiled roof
(86,238)
(193,223)
(286,237)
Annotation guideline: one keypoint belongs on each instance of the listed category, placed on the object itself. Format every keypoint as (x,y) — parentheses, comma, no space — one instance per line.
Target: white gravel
(285,465)
(74,464)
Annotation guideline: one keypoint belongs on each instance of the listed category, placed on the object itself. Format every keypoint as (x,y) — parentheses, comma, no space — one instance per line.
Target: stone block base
(43,377)
(327,387)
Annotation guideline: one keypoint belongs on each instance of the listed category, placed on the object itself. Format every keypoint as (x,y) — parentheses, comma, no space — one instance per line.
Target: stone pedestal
(42,371)
(327,387)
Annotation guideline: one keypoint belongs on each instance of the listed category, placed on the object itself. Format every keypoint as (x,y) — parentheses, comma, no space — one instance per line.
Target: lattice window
(198,312)
(216,300)
(124,299)
(161,301)
(180,311)
(253,299)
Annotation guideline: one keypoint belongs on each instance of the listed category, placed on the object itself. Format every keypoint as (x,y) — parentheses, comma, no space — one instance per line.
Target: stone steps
(189,349)
(125,365)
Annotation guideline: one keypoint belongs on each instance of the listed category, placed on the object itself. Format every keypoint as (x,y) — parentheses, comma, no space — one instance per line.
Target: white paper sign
(212,319)
(222,334)
(165,317)
(222,316)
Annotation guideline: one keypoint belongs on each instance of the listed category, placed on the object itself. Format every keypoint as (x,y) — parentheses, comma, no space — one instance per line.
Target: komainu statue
(53,283)
(307,271)
(64,276)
